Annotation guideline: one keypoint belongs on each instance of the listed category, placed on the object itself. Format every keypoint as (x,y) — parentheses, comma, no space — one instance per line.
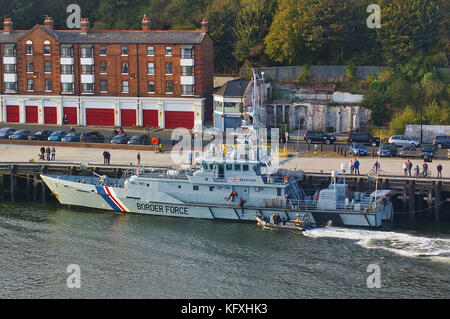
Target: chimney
(84,25)
(7,25)
(204,25)
(48,23)
(145,23)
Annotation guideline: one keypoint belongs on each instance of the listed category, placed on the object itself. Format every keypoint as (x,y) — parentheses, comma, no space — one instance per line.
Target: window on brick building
(103,67)
(10,86)
(48,85)
(151,87)
(124,50)
(150,50)
(30,85)
(187,89)
(10,68)
(168,50)
(9,50)
(29,66)
(187,70)
(87,87)
(29,49)
(125,87)
(124,67)
(87,69)
(168,67)
(186,53)
(102,50)
(47,67)
(86,52)
(67,87)
(151,68)
(66,51)
(66,69)
(169,87)
(103,86)
(47,49)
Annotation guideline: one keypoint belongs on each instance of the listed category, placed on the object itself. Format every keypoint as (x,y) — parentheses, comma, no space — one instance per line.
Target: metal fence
(429,132)
(319,72)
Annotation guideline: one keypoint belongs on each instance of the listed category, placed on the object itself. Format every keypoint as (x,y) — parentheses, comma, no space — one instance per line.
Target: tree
(221,14)
(252,24)
(400,120)
(376,101)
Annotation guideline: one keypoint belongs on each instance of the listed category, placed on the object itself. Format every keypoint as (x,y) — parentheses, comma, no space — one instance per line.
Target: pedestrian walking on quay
(53,153)
(139,158)
(405,168)
(42,157)
(350,164)
(48,151)
(410,165)
(356,166)
(108,157)
(105,157)
(439,170)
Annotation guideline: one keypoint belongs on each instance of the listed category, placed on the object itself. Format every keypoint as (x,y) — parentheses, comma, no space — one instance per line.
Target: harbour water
(137,256)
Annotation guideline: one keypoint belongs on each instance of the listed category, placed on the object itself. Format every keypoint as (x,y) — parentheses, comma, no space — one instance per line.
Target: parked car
(318,137)
(403,140)
(120,139)
(387,150)
(140,140)
(57,136)
(442,141)
(92,137)
(358,149)
(363,138)
(71,137)
(408,151)
(20,135)
(428,153)
(5,132)
(40,136)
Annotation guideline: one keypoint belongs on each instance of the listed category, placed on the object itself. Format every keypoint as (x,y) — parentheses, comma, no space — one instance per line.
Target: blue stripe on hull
(107,199)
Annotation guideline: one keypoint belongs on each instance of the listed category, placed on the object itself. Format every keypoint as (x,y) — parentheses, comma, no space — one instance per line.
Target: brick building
(109,78)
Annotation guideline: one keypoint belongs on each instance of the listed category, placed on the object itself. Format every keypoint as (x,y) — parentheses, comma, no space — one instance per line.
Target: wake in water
(398,243)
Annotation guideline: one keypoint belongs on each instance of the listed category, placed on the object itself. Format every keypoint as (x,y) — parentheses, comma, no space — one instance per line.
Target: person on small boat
(232,196)
(277,219)
(241,204)
(298,222)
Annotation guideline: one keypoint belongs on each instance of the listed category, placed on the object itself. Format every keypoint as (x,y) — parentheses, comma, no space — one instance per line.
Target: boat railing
(312,205)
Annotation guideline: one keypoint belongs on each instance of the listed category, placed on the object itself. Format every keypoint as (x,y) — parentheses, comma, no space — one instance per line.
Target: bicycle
(373,172)
(425,174)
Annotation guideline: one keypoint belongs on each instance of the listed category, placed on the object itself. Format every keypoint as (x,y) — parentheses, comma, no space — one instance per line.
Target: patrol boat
(238,185)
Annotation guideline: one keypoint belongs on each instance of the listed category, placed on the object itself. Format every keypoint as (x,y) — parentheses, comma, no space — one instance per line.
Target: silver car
(403,140)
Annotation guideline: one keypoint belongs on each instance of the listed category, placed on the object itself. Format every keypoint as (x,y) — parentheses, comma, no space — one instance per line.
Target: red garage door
(176,119)
(71,113)
(128,117)
(100,117)
(50,115)
(150,118)
(31,114)
(12,113)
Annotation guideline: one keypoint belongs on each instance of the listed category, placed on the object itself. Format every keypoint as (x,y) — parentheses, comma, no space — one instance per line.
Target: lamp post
(421,111)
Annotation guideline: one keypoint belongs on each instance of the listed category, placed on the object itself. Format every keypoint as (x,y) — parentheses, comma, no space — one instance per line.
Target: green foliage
(376,101)
(305,75)
(400,120)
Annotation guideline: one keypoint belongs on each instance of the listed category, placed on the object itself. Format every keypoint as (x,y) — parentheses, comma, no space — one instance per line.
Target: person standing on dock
(108,157)
(42,157)
(48,153)
(350,164)
(139,158)
(105,156)
(405,168)
(410,165)
(356,166)
(53,153)
(439,170)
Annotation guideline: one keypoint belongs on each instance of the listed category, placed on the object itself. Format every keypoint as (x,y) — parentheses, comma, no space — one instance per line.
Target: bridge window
(204,165)
(211,188)
(278,191)
(245,167)
(195,187)
(229,167)
(237,167)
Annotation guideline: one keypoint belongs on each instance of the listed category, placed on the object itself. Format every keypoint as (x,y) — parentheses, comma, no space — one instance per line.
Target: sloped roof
(125,36)
(233,88)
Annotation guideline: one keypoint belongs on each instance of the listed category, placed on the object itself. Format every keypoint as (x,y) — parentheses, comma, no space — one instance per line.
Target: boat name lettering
(161,208)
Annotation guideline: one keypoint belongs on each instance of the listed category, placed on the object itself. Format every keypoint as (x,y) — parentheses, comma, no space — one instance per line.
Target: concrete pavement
(23,153)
